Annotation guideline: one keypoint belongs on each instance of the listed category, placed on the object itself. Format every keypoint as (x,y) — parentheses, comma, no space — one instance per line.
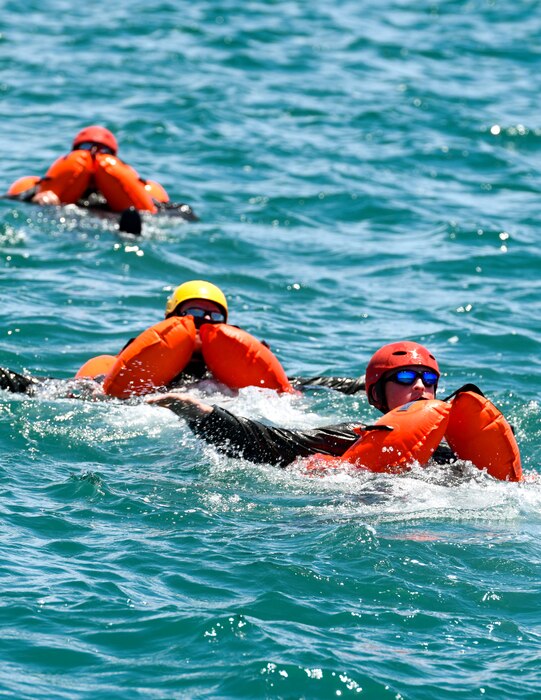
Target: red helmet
(97,134)
(394,356)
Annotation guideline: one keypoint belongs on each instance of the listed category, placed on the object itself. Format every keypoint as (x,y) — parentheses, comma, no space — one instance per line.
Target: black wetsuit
(345,385)
(260,443)
(18,383)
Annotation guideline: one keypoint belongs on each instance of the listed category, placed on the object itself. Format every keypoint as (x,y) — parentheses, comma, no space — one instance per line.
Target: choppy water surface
(363,173)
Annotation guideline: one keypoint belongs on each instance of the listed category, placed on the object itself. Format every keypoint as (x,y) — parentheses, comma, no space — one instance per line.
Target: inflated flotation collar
(404,435)
(478,432)
(96,367)
(237,359)
(23,184)
(69,176)
(156,191)
(121,185)
(474,428)
(153,359)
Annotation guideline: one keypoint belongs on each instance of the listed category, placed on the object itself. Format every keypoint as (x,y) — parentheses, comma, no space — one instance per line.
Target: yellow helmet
(196,289)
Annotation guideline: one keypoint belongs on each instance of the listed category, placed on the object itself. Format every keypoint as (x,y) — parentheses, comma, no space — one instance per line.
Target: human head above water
(196,291)
(387,361)
(95,135)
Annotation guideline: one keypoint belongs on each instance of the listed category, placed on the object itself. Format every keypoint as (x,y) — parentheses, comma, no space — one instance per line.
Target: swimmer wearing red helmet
(94,177)
(398,376)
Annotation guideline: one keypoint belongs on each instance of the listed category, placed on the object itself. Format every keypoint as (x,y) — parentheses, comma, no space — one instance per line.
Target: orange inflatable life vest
(153,359)
(156,191)
(121,185)
(478,432)
(22,185)
(417,428)
(237,359)
(96,367)
(69,176)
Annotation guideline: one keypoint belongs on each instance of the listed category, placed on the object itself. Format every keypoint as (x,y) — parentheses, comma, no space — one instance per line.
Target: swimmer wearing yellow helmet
(205,303)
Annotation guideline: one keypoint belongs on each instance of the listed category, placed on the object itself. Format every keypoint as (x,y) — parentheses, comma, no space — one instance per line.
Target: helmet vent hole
(400,352)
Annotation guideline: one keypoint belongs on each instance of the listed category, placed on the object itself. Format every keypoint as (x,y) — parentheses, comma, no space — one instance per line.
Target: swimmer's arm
(345,385)
(17,383)
(252,440)
(183,405)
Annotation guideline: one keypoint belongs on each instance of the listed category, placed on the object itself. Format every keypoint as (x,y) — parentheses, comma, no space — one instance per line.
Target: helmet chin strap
(378,395)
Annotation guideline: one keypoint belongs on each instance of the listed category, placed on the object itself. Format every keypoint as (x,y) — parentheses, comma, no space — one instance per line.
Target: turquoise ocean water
(364,172)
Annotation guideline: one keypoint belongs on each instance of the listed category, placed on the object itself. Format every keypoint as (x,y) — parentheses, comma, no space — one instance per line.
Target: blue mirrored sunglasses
(407,377)
(200,314)
(89,145)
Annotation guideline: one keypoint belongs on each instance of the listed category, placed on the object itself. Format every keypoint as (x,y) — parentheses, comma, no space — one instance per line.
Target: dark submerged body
(130,220)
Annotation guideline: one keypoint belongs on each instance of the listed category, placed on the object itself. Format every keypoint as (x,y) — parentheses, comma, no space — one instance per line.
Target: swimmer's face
(397,393)
(94,147)
(201,310)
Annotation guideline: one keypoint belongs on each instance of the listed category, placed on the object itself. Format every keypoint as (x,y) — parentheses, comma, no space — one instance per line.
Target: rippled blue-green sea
(364,171)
